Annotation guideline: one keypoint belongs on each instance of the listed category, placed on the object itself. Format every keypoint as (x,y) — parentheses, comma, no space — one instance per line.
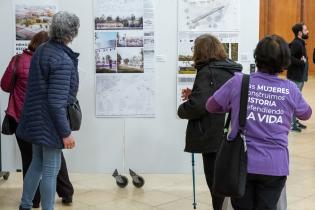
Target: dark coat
(52,85)
(297,70)
(204,130)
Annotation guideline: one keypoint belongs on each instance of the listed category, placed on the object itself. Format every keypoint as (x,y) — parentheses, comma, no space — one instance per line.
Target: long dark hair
(37,40)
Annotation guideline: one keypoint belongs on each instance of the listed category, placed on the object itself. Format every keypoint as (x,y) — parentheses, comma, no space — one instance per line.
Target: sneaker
(300,125)
(67,201)
(295,129)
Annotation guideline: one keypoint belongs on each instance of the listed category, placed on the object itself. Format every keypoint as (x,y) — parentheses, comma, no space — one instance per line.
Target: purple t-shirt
(271,103)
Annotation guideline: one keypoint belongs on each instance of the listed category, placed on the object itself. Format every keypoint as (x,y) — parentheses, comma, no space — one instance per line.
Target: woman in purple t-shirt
(271,103)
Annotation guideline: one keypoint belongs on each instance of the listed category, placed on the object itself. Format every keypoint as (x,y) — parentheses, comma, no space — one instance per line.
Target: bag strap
(243,105)
(243,101)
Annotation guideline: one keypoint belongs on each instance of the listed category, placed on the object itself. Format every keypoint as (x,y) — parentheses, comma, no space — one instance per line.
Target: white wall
(152,145)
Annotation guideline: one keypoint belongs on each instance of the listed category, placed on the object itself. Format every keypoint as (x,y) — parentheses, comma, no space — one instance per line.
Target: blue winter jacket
(53,84)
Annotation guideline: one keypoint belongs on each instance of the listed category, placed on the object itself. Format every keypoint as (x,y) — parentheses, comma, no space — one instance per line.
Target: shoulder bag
(230,169)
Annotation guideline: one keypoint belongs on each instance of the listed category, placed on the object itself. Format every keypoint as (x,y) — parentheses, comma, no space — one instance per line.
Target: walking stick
(193,176)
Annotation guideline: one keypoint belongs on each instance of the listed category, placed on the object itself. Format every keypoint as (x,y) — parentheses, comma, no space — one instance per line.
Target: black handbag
(74,115)
(9,124)
(230,168)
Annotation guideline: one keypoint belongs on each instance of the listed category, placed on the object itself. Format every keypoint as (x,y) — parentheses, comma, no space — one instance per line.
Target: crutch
(193,177)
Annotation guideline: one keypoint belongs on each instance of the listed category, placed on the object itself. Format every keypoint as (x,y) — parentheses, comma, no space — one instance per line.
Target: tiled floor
(173,192)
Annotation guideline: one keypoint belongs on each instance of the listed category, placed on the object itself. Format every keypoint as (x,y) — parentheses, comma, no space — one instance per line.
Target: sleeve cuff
(307,115)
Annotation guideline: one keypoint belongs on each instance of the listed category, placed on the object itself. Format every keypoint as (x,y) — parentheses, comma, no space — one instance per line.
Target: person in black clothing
(205,130)
(298,70)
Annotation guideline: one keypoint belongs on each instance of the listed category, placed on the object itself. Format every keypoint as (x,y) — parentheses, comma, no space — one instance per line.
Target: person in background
(271,103)
(52,85)
(22,64)
(204,130)
(298,69)
(298,73)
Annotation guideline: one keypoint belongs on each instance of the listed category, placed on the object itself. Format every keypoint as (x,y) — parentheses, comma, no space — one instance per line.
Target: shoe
(300,125)
(35,205)
(20,208)
(67,201)
(295,128)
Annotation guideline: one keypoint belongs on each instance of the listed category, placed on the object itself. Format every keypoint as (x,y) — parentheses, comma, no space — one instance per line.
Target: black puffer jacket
(296,70)
(205,130)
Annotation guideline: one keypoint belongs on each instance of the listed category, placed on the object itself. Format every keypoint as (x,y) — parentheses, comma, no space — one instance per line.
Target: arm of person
(58,93)
(303,110)
(194,107)
(212,106)
(296,54)
(307,115)
(220,101)
(7,76)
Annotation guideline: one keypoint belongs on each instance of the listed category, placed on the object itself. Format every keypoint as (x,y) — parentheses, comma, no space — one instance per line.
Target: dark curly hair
(272,55)
(297,28)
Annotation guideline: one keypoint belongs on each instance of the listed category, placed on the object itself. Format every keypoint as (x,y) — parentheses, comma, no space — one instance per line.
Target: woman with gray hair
(52,86)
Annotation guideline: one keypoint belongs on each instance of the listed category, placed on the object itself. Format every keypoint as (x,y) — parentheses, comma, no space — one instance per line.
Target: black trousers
(262,193)
(64,187)
(208,164)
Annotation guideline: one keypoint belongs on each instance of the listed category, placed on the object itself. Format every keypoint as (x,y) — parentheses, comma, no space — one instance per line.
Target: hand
(185,94)
(69,142)
(303,59)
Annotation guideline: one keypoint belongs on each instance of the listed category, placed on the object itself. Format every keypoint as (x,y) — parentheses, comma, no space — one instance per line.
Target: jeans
(282,203)
(300,85)
(64,186)
(44,169)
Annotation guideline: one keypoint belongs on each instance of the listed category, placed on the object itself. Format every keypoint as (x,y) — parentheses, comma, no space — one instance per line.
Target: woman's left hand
(69,142)
(185,94)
